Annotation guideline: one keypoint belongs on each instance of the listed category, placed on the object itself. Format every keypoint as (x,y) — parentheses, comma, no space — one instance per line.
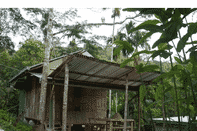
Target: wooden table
(112,124)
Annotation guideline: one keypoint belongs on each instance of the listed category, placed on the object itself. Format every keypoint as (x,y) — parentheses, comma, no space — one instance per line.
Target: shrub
(7,120)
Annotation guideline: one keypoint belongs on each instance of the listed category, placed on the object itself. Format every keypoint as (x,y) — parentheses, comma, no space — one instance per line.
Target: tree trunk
(65,97)
(111,61)
(48,41)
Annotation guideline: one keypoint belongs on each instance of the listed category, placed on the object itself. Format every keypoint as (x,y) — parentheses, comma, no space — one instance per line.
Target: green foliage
(179,80)
(9,99)
(30,53)
(7,120)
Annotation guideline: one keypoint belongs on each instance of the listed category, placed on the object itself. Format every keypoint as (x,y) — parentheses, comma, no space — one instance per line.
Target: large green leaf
(145,37)
(178,60)
(150,68)
(139,67)
(149,25)
(188,12)
(125,62)
(192,29)
(125,45)
(117,50)
(169,88)
(164,46)
(161,53)
(193,57)
(140,52)
(147,68)
(159,41)
(132,9)
(192,49)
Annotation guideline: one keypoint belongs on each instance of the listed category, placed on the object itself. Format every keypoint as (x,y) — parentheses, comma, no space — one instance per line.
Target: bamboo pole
(65,96)
(126,103)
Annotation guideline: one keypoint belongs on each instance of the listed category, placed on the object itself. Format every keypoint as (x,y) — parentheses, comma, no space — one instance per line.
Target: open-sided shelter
(80,85)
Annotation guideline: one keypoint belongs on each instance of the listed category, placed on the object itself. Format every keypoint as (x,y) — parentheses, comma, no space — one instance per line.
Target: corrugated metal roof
(83,68)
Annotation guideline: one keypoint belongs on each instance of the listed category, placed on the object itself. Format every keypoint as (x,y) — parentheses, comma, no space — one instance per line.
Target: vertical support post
(139,110)
(116,102)
(51,108)
(54,110)
(65,97)
(109,115)
(126,103)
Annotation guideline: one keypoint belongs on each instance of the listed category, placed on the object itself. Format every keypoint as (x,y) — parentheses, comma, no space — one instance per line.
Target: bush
(9,99)
(7,120)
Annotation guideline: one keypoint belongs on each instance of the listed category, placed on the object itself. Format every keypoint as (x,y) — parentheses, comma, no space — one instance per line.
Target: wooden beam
(65,97)
(95,84)
(126,103)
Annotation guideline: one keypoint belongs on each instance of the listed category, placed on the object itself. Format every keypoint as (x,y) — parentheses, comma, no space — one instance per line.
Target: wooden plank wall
(33,98)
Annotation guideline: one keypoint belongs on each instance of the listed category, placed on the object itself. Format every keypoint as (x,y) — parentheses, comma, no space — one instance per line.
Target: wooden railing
(113,124)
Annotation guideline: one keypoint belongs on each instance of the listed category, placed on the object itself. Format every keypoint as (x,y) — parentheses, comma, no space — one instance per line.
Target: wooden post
(64,113)
(139,110)
(54,110)
(109,116)
(126,103)
(116,102)
(51,108)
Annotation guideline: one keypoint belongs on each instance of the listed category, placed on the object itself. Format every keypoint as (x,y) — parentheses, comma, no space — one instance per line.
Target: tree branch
(94,24)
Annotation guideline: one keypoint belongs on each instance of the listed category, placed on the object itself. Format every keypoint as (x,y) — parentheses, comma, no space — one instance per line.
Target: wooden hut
(87,80)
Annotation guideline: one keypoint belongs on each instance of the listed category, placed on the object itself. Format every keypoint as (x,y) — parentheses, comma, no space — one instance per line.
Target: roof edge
(27,68)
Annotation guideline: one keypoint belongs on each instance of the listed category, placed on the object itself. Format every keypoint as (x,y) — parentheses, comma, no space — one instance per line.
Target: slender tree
(48,42)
